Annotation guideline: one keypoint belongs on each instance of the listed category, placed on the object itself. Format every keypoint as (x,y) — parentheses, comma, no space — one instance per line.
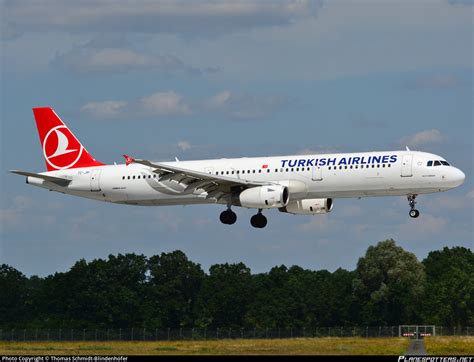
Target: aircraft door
(317,173)
(95,180)
(407,166)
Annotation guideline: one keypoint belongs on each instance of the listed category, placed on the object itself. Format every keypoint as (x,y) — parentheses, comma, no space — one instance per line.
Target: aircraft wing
(216,186)
(57,180)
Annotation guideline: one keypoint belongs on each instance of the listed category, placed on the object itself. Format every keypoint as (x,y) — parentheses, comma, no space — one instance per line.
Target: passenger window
(357,166)
(134,177)
(383,165)
(437,163)
(276,170)
(345,167)
(389,165)
(123,177)
(253,171)
(259,171)
(340,167)
(378,166)
(287,170)
(128,177)
(268,170)
(329,167)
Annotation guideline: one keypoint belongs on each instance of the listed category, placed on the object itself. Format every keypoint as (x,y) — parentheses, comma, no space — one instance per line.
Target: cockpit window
(430,163)
(444,163)
(437,163)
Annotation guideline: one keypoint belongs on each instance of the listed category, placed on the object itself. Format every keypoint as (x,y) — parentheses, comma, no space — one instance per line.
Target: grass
(295,346)
(439,346)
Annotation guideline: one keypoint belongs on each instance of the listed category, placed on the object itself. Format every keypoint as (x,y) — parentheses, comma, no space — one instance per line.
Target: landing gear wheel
(228,217)
(258,221)
(414,213)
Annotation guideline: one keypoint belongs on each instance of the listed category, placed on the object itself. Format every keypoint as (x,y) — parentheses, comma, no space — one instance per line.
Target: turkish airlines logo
(61,149)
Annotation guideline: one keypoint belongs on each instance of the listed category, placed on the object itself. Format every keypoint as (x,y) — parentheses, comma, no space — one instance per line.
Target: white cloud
(8,33)
(437,81)
(106,109)
(317,150)
(445,202)
(184,145)
(320,223)
(461,2)
(113,60)
(165,104)
(243,105)
(171,104)
(25,208)
(155,16)
(424,225)
(111,54)
(423,137)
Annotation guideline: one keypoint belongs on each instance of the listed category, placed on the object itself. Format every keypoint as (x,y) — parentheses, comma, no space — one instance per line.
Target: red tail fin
(61,149)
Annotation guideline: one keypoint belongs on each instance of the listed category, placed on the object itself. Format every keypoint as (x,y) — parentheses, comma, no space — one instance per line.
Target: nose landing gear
(228,217)
(414,213)
(258,220)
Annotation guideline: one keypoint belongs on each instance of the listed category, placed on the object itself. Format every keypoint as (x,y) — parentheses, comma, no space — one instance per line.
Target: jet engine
(308,206)
(264,197)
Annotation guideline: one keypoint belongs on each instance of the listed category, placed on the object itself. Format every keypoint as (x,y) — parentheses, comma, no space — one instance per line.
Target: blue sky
(159,79)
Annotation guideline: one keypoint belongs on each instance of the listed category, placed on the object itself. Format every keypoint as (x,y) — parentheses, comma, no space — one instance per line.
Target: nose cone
(457,177)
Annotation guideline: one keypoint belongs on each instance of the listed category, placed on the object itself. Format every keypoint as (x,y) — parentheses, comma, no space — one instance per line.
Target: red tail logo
(61,149)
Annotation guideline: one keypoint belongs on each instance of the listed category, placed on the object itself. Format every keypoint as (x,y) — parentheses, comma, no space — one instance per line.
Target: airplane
(298,184)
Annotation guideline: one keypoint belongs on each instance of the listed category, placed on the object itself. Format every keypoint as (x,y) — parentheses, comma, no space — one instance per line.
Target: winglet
(128,160)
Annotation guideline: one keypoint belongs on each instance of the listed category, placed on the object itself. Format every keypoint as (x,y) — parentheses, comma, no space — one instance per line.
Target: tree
(102,293)
(174,284)
(388,285)
(449,293)
(13,289)
(225,295)
(273,304)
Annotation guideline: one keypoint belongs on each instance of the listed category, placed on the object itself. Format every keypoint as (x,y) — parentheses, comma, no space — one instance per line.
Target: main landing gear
(258,220)
(228,217)
(414,213)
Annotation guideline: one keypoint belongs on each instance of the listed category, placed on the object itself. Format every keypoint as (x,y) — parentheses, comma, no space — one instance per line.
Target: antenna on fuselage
(407,148)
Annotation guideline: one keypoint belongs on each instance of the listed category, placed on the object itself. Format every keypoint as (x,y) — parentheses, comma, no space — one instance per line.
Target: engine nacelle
(308,206)
(264,197)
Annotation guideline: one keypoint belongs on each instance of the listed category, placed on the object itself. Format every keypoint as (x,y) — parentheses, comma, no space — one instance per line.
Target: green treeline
(389,287)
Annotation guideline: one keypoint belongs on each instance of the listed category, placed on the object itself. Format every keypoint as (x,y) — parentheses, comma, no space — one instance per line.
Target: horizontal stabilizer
(57,180)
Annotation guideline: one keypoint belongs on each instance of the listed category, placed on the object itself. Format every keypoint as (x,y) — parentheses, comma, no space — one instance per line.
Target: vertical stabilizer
(61,149)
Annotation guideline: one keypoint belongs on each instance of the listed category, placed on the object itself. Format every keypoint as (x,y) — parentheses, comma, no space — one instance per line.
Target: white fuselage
(306,176)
